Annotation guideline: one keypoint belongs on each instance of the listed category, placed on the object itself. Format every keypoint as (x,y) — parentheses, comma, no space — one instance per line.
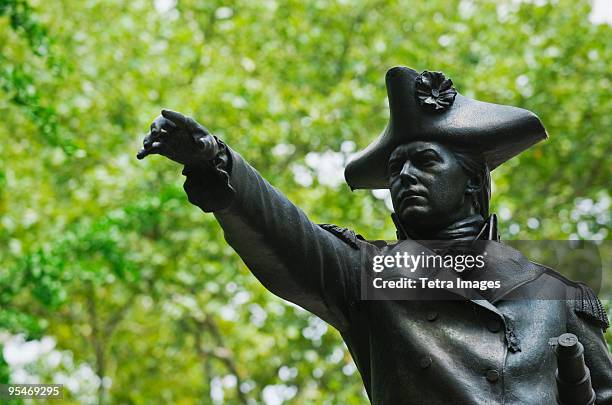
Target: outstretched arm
(293,257)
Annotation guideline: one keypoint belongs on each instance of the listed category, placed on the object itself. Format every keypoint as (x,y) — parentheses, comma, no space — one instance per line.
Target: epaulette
(344,234)
(587,305)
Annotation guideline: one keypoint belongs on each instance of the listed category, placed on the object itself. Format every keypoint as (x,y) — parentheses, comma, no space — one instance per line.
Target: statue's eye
(426,159)
(424,162)
(395,167)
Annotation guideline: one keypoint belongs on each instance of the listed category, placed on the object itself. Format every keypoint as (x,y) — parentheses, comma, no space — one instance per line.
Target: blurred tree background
(113,284)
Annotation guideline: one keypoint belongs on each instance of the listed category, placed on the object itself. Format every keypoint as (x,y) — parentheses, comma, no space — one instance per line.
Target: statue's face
(428,186)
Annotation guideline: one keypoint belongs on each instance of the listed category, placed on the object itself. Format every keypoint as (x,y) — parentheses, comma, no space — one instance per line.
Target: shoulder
(581,298)
(589,307)
(349,237)
(344,234)
(552,274)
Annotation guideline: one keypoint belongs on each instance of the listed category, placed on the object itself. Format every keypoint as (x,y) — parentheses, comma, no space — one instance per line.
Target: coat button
(492,375)
(425,362)
(494,325)
(432,315)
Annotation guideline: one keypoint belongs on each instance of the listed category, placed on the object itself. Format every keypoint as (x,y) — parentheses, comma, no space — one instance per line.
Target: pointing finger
(154,148)
(142,153)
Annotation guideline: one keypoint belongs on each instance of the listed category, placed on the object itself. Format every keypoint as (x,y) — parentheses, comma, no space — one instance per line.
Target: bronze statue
(435,156)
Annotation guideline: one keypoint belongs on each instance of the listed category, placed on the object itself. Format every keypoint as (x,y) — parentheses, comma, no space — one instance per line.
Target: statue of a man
(435,156)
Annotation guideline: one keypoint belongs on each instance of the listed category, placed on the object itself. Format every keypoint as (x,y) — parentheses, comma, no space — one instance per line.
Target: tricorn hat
(426,107)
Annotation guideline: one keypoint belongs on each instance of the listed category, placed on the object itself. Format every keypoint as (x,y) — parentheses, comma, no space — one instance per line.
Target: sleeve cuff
(208,185)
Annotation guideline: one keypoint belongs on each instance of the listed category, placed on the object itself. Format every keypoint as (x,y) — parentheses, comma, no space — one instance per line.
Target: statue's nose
(406,175)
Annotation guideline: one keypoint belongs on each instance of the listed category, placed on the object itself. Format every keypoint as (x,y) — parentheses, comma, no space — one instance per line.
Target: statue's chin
(417,216)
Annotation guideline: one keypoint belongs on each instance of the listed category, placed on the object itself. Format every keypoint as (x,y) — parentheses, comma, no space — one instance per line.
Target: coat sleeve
(294,258)
(588,321)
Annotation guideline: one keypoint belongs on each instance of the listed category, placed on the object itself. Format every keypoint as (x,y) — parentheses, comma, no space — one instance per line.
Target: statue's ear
(474,185)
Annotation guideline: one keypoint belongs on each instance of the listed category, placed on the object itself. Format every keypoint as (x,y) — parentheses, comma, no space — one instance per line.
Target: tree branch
(219,352)
(96,340)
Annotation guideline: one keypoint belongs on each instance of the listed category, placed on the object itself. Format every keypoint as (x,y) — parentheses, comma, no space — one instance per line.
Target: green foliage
(4,370)
(105,254)
(20,65)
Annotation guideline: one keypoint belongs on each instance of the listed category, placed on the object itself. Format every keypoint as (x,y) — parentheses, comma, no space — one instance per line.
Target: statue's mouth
(412,197)
(412,193)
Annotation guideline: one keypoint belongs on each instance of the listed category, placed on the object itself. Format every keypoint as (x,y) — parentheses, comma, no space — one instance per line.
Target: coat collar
(473,227)
(502,262)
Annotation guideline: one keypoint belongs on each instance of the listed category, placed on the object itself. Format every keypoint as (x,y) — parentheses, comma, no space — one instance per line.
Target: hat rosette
(434,90)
